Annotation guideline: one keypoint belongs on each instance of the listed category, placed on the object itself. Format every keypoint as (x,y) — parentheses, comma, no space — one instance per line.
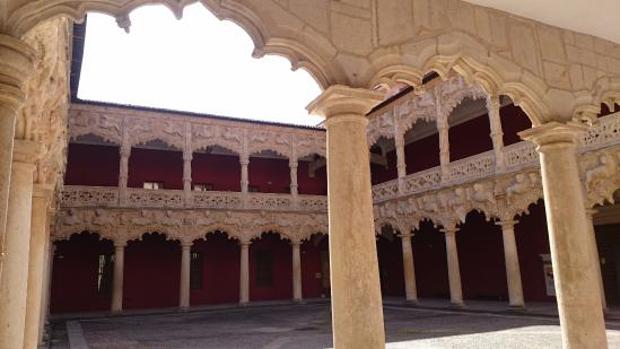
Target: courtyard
(309,326)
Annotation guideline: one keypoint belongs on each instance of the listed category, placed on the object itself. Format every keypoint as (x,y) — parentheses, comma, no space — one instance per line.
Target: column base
(412,302)
(244,304)
(457,305)
(299,301)
(183,309)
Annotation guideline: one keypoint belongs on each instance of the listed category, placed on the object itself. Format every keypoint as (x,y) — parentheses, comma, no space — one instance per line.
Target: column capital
(407,235)
(43,191)
(187,244)
(16,64)
(506,223)
(340,100)
(27,151)
(449,230)
(293,163)
(554,133)
(120,243)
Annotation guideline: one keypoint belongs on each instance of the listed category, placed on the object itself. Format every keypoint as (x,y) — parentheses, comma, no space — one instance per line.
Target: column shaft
(444,145)
(117,281)
(245,181)
(357,310)
(513,271)
(297,290)
(184,287)
(596,256)
(49,261)
(36,266)
(187,178)
(497,135)
(14,279)
(294,185)
(454,270)
(409,269)
(577,291)
(244,275)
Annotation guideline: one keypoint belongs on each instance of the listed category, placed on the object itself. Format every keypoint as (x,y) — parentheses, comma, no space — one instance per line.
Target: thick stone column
(36,267)
(244,275)
(577,291)
(595,255)
(244,160)
(117,281)
(497,135)
(511,258)
(49,261)
(454,270)
(184,289)
(292,164)
(357,313)
(14,280)
(297,293)
(16,65)
(411,291)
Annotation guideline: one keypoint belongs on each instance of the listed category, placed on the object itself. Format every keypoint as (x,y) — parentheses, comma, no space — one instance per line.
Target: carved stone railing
(422,181)
(91,196)
(520,155)
(471,168)
(605,133)
(385,191)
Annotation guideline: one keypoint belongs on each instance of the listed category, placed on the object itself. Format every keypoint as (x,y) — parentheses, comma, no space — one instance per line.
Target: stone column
(497,135)
(411,291)
(297,293)
(245,181)
(39,236)
(14,279)
(595,255)
(117,281)
(244,275)
(49,261)
(123,171)
(16,65)
(184,287)
(187,177)
(511,258)
(357,312)
(292,164)
(577,291)
(454,270)
(444,143)
(401,165)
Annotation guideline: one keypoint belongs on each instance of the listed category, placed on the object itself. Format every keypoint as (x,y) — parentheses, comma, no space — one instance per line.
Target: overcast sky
(197,64)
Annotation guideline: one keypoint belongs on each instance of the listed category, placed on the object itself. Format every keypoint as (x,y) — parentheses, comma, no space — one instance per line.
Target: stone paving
(308,326)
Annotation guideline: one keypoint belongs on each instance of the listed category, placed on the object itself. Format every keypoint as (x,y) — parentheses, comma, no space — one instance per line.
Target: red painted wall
(148,165)
(92,165)
(470,138)
(308,185)
(74,275)
(152,273)
(270,175)
(481,259)
(422,154)
(312,287)
(431,269)
(533,240)
(221,263)
(514,120)
(390,255)
(221,171)
(608,243)
(282,287)
(380,173)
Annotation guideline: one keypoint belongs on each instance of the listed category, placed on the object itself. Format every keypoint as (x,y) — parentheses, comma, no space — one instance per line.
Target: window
(264,268)
(153,185)
(195,271)
(203,187)
(105,271)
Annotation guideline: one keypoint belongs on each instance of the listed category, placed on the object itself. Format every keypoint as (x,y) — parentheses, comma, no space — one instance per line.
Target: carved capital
(16,65)
(554,133)
(27,151)
(341,100)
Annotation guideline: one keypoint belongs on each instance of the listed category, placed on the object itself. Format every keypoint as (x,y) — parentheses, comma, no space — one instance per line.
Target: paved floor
(308,326)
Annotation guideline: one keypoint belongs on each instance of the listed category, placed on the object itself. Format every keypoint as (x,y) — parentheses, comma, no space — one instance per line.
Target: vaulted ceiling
(594,17)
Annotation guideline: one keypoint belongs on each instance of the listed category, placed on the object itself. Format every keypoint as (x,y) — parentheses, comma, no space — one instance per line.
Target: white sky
(197,64)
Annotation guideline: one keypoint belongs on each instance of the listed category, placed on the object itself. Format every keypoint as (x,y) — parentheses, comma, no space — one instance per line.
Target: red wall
(270,175)
(470,138)
(481,259)
(148,165)
(308,185)
(431,269)
(380,173)
(533,240)
(390,255)
(221,171)
(422,154)
(152,273)
(92,165)
(74,275)
(312,287)
(514,120)
(221,263)
(282,287)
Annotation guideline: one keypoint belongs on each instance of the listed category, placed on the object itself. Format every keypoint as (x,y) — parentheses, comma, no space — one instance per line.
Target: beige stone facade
(356,50)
